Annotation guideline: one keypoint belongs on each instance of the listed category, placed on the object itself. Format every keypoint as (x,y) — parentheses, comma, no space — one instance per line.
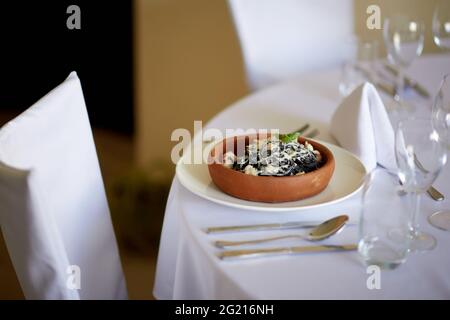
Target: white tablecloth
(188,268)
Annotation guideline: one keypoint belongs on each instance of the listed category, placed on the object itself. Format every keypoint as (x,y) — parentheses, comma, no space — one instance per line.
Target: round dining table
(188,266)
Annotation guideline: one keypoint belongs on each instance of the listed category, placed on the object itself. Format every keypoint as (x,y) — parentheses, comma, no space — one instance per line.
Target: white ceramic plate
(347,180)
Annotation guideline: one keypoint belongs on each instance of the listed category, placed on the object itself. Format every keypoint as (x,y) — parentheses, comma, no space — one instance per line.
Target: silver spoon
(322,231)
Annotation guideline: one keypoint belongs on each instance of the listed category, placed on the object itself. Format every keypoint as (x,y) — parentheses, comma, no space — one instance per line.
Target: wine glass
(441,24)
(441,123)
(403,38)
(420,157)
(359,64)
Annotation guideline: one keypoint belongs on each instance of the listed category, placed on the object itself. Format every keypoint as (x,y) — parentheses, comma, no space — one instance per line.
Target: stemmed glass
(441,123)
(403,38)
(420,157)
(441,24)
(359,65)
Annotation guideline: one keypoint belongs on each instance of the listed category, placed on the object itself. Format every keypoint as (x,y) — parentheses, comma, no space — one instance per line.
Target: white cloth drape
(53,209)
(282,39)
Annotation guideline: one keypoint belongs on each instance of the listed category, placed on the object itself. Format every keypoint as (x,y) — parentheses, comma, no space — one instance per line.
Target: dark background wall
(38,51)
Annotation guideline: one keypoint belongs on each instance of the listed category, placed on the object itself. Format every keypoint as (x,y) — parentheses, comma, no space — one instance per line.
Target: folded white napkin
(362,126)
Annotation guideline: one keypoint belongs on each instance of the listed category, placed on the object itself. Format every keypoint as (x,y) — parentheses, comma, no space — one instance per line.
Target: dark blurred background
(38,51)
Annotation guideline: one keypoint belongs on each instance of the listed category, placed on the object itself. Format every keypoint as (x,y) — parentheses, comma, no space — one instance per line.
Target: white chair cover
(282,38)
(54,213)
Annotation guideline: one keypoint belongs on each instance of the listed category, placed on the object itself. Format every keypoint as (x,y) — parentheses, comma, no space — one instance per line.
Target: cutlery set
(409,82)
(388,88)
(318,232)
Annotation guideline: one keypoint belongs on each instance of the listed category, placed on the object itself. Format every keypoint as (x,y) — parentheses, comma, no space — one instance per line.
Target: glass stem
(400,84)
(415,214)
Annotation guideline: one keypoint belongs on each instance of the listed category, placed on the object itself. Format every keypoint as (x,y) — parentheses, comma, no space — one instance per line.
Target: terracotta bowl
(267,188)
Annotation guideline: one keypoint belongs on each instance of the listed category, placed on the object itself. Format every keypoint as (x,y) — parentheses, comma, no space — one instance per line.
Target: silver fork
(305,127)
(432,191)
(313,134)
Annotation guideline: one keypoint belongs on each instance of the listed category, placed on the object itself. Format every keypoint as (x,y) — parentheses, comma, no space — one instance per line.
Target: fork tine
(313,134)
(303,129)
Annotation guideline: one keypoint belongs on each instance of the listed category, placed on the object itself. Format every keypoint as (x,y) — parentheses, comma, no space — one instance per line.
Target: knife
(253,253)
(388,89)
(268,226)
(409,82)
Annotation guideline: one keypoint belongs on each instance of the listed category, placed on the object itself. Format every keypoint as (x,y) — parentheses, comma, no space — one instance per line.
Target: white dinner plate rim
(273,207)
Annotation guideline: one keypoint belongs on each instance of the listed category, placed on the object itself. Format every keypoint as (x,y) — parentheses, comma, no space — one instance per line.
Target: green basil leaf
(290,137)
